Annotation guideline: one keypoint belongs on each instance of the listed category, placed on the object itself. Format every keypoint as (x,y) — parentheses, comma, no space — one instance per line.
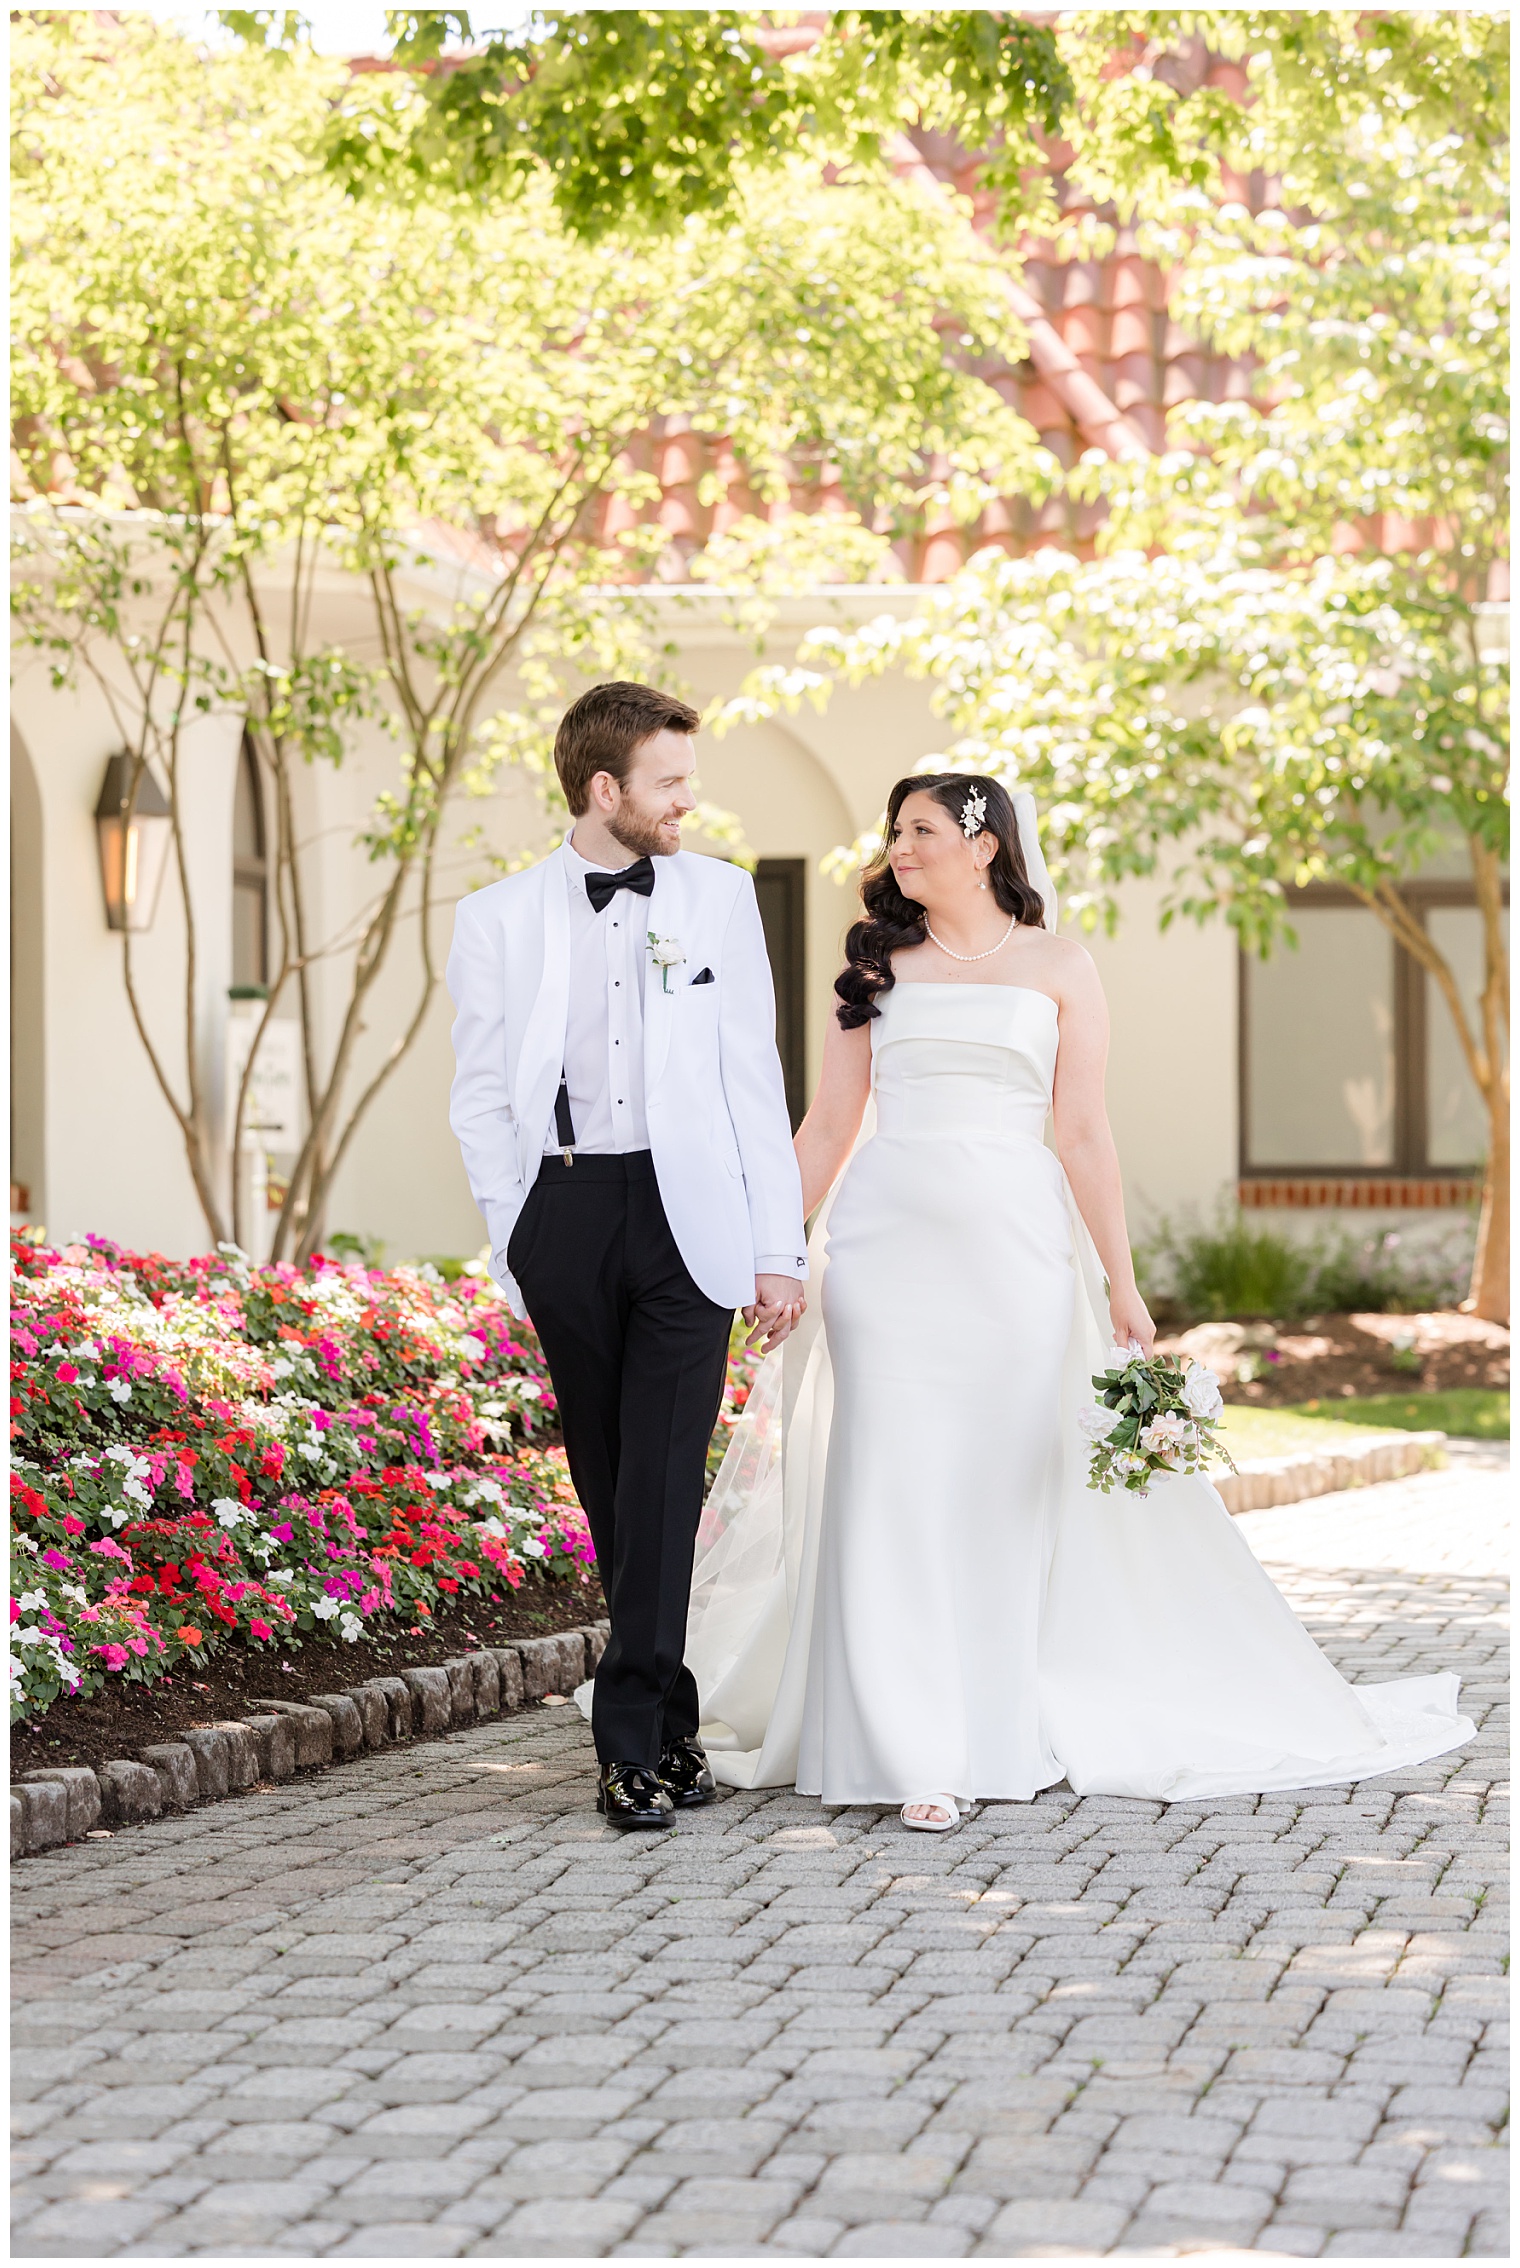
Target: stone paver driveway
(425,2005)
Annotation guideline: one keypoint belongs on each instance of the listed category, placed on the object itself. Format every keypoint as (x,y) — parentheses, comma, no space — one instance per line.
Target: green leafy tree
(647,116)
(232,380)
(643,116)
(1281,670)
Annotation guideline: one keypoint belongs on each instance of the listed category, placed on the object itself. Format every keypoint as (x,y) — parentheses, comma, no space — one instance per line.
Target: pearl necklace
(987,956)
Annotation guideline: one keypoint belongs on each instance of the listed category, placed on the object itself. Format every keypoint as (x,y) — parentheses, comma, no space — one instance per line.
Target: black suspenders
(564,1124)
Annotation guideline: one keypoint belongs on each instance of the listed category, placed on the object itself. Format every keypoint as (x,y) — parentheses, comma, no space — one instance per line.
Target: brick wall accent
(1367,1193)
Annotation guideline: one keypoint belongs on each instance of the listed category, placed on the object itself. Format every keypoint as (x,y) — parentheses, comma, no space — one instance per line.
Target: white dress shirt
(604,1031)
(604,1028)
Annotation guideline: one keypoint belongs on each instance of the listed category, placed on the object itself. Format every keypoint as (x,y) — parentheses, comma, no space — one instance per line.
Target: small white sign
(272,1112)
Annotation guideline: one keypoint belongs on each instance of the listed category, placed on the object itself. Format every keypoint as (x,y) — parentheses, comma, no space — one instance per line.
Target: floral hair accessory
(973,814)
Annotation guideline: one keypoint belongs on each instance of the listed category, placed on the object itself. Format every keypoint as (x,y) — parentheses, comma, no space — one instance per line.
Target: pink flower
(283,1532)
(72,1525)
(67,1373)
(260,1629)
(115,1657)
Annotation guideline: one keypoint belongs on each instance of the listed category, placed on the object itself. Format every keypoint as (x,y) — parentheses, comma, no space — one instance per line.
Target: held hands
(1131,1319)
(775,1311)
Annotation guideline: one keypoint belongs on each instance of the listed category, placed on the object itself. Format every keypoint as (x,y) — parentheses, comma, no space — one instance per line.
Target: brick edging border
(63,1804)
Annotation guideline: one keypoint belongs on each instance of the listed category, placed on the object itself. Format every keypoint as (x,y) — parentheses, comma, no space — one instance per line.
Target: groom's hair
(600,731)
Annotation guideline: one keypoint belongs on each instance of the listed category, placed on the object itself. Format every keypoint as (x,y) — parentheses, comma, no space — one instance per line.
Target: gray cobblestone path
(425,2005)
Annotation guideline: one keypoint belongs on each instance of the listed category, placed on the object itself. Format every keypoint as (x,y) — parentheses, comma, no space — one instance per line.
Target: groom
(619,1103)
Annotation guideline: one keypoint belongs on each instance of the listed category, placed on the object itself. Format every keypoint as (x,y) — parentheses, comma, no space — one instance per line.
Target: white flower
(667,953)
(120,1390)
(1200,1391)
(531,1547)
(1126,1462)
(228,1511)
(1097,1422)
(1166,1431)
(471,1348)
(1170,1438)
(325,1608)
(1117,1359)
(32,1602)
(280,1575)
(350,1627)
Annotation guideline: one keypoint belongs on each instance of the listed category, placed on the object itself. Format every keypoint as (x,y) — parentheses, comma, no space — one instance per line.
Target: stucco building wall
(97,1146)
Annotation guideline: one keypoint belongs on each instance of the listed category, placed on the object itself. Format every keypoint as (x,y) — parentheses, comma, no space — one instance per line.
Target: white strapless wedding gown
(903,1584)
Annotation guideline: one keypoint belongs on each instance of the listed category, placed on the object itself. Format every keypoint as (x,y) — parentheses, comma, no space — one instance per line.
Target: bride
(904,1592)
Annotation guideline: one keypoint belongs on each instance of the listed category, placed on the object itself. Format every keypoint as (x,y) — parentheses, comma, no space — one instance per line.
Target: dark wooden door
(781,886)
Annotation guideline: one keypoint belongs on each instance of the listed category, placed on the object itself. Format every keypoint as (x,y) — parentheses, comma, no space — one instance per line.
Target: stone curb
(1268,1481)
(210,1762)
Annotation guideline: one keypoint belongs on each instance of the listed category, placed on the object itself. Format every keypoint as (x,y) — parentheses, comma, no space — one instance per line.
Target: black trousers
(637,1356)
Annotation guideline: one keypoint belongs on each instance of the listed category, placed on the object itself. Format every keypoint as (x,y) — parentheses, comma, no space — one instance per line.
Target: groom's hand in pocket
(775,1311)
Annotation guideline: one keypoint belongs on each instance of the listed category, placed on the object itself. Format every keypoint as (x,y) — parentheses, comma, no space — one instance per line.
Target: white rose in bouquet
(1200,1391)
(1097,1422)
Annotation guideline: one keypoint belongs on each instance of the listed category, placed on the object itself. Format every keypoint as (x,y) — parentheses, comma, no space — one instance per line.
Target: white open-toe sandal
(940,1803)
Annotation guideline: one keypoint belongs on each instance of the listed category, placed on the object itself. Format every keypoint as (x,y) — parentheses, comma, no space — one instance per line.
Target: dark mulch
(1333,1357)
(125,1718)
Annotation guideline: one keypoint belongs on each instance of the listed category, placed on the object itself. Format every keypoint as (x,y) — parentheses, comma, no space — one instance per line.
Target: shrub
(208,1451)
(1233,1268)
(1392,1271)
(1241,1268)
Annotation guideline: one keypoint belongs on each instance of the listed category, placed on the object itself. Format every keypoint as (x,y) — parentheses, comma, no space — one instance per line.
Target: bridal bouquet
(1153,1417)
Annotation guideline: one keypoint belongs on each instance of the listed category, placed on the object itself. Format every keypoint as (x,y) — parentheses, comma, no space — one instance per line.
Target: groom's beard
(640,837)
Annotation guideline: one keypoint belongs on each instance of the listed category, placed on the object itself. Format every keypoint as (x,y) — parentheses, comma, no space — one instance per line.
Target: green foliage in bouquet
(1154,1417)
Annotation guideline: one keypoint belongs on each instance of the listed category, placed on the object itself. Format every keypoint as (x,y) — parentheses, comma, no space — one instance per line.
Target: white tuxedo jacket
(713,1093)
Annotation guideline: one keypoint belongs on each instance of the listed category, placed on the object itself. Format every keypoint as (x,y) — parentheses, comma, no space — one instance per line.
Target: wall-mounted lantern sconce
(134,845)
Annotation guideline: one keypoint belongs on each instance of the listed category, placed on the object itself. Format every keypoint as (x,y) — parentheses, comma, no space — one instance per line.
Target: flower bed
(207,1452)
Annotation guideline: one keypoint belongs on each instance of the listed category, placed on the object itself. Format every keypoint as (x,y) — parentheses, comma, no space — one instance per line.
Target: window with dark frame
(1349,1064)
(250,875)
(781,888)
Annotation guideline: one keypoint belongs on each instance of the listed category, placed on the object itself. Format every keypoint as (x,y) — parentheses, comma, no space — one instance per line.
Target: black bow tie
(601,889)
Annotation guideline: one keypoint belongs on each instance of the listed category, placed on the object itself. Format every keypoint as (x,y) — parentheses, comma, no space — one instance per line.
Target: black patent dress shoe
(630,1795)
(685,1774)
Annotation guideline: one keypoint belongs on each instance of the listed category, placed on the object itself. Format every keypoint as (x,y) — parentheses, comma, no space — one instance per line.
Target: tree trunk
(1489,1296)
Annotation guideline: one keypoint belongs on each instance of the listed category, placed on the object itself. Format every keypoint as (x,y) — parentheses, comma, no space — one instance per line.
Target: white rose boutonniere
(666,954)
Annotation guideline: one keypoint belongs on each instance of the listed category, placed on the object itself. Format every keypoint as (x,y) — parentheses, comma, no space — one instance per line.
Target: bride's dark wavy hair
(893,921)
